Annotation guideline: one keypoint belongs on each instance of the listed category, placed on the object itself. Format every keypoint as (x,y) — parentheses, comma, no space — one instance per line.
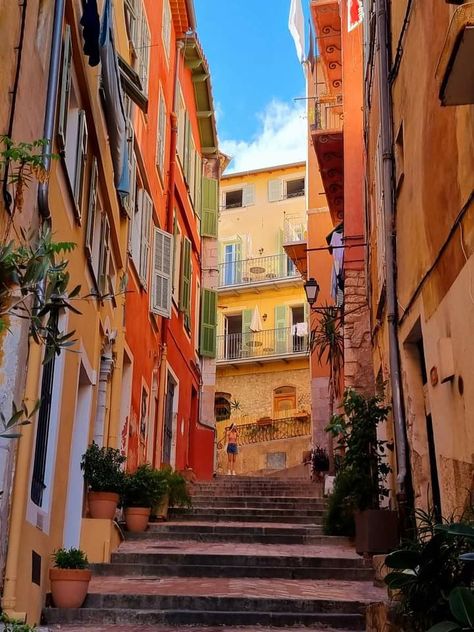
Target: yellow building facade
(263,378)
(80,390)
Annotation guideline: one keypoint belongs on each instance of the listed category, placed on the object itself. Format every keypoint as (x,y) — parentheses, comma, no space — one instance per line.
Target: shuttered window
(186,147)
(185,289)
(81,158)
(275,190)
(161,139)
(210,201)
(162,266)
(104,256)
(65,88)
(130,200)
(282,336)
(146,215)
(166,32)
(198,186)
(248,195)
(91,209)
(143,51)
(208,323)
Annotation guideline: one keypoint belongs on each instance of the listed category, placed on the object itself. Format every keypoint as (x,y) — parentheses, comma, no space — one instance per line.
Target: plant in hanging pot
(144,488)
(104,478)
(69,578)
(360,483)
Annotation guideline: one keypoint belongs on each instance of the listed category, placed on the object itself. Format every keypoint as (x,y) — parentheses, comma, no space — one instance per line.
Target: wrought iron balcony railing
(257,270)
(263,344)
(327,114)
(287,428)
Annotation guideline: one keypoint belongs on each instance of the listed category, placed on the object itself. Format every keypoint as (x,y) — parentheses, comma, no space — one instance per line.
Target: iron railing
(256,270)
(263,344)
(327,114)
(273,429)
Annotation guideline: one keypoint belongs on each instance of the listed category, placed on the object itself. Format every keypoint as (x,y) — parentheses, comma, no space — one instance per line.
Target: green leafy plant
(178,490)
(70,558)
(19,417)
(430,576)
(14,625)
(102,469)
(320,459)
(145,487)
(361,479)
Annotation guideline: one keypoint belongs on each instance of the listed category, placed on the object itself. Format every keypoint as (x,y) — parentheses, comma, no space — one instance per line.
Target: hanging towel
(301,329)
(90,23)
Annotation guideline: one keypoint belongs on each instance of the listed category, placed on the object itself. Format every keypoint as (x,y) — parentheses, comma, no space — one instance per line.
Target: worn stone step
(166,628)
(257,501)
(250,511)
(232,527)
(236,516)
(236,537)
(233,571)
(180,618)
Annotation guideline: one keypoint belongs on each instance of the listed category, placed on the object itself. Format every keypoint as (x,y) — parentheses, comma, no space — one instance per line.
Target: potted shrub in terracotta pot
(360,482)
(144,488)
(104,478)
(69,578)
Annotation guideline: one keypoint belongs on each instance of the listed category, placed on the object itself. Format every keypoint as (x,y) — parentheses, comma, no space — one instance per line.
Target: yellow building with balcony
(263,379)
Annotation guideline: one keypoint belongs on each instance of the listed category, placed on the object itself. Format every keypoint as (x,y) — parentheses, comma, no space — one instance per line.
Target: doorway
(299,328)
(233,336)
(80,435)
(169,420)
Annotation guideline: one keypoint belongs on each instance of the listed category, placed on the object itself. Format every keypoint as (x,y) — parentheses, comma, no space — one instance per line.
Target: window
(209,210)
(161,140)
(399,158)
(128,201)
(222,408)
(185,288)
(294,188)
(166,32)
(161,273)
(139,35)
(233,199)
(139,244)
(197,318)
(182,122)
(72,128)
(284,401)
(97,234)
(176,259)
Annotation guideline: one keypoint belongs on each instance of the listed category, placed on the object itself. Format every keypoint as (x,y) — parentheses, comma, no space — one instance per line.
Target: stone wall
(358,364)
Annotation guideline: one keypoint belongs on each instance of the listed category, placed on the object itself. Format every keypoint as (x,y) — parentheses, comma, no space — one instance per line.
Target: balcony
(296,425)
(295,237)
(327,138)
(285,343)
(327,22)
(238,276)
(455,71)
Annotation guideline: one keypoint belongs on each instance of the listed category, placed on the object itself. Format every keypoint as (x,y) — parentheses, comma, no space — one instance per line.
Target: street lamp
(311,288)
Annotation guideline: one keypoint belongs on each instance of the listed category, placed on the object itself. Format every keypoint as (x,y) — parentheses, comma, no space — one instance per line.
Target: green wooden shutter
(91,210)
(210,203)
(198,186)
(65,88)
(185,290)
(282,336)
(246,333)
(208,337)
(160,297)
(81,157)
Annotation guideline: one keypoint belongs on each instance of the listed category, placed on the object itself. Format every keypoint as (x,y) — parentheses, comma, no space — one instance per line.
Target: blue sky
(255,76)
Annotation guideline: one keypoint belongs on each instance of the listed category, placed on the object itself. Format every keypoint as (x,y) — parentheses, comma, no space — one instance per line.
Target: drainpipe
(50,112)
(106,368)
(389,216)
(169,227)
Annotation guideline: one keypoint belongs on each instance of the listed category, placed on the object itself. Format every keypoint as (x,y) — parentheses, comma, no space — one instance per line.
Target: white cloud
(281,139)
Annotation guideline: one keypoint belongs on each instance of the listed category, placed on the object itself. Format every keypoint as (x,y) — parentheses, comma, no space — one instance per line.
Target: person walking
(232,439)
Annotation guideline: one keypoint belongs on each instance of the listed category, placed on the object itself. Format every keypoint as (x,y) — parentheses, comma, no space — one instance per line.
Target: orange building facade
(174,140)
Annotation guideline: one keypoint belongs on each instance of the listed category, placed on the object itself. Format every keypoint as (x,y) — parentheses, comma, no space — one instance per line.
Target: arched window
(284,401)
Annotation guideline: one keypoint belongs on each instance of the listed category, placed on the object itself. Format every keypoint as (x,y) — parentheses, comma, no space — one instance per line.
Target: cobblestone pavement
(342,549)
(333,590)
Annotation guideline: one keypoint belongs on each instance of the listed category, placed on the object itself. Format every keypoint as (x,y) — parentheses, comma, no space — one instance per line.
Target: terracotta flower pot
(160,510)
(103,504)
(376,531)
(136,518)
(69,586)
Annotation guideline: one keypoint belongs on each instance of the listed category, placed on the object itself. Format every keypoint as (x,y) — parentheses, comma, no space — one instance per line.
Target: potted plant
(144,488)
(320,460)
(178,490)
(360,482)
(104,478)
(69,578)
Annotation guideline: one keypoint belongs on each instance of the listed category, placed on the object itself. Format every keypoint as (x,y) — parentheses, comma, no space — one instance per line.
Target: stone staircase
(249,553)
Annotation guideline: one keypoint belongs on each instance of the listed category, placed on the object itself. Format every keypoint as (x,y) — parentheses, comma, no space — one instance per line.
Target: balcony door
(232,263)
(233,336)
(299,328)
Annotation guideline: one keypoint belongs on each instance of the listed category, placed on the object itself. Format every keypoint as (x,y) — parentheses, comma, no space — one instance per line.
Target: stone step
(178,618)
(251,511)
(257,502)
(145,628)
(237,537)
(232,527)
(226,516)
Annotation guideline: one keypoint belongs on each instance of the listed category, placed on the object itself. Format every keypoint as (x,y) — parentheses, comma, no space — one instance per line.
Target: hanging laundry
(90,23)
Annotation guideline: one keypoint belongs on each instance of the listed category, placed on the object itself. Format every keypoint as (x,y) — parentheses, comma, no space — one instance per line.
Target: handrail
(261,344)
(256,270)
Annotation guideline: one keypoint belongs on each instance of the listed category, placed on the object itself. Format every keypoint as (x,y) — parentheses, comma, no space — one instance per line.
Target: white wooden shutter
(248,195)
(91,209)
(161,141)
(65,87)
(144,51)
(275,190)
(134,245)
(167,26)
(161,282)
(81,157)
(147,210)
(129,203)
